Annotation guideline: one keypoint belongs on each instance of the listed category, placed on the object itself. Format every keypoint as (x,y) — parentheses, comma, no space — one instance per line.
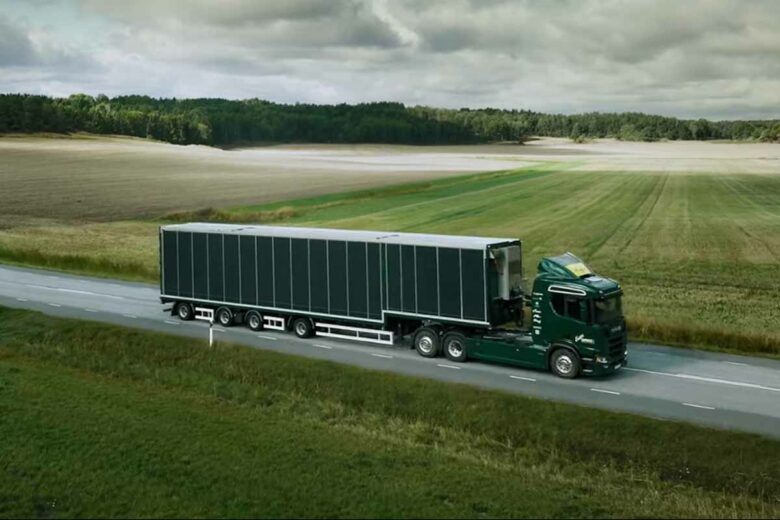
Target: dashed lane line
(264,336)
(383,356)
(602,391)
(130,316)
(55,305)
(321,346)
(169,322)
(521,378)
(692,405)
(447,366)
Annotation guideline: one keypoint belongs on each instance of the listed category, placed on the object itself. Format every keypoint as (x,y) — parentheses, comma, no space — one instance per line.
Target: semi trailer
(457,296)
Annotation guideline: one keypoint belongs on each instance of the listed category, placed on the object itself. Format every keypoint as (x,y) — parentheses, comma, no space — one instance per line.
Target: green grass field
(105,421)
(697,253)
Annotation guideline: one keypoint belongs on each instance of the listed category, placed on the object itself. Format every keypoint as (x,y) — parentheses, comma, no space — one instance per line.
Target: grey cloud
(15,45)
(676,57)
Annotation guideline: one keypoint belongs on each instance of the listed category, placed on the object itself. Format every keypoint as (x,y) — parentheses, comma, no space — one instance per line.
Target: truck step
(331,330)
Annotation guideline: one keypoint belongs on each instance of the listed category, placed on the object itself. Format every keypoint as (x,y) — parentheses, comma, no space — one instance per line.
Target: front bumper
(592,368)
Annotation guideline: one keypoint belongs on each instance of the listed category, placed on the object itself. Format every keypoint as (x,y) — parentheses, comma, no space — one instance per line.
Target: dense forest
(222,122)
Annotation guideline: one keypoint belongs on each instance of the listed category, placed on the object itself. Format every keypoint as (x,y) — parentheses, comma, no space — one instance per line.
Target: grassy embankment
(101,420)
(697,254)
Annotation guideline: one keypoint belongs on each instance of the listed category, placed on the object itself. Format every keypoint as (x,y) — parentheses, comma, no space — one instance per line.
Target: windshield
(608,310)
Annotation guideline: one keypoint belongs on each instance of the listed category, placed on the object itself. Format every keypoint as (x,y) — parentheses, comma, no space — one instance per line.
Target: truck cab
(574,309)
(576,326)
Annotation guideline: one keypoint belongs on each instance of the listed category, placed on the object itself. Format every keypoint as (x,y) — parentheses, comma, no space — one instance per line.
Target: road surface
(717,390)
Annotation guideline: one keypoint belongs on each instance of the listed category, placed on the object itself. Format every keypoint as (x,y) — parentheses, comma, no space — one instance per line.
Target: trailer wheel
(224,317)
(303,327)
(455,346)
(564,363)
(253,320)
(426,341)
(184,311)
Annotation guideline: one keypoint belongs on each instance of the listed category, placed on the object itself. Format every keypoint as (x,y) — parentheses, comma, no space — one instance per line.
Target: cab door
(569,317)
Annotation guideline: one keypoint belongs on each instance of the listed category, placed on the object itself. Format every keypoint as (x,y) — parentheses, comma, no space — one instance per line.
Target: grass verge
(106,421)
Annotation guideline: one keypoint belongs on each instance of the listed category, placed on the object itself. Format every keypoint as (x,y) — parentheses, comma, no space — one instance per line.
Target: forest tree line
(223,122)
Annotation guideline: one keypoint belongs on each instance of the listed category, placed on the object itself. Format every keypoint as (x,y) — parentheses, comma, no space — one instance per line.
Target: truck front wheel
(455,346)
(564,363)
(426,341)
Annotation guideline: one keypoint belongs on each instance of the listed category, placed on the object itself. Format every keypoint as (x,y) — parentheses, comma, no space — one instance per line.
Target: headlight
(601,359)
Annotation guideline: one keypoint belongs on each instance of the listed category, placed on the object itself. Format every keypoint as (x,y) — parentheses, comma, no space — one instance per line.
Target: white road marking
(22,299)
(267,337)
(706,379)
(321,346)
(447,366)
(602,391)
(521,378)
(698,406)
(90,310)
(385,356)
(218,329)
(737,364)
(55,305)
(172,322)
(130,316)
(75,291)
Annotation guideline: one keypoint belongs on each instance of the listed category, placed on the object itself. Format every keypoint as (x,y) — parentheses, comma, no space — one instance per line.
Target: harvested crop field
(101,178)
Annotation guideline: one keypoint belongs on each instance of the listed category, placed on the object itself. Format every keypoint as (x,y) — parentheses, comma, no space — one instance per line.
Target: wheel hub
(563,364)
(425,344)
(455,348)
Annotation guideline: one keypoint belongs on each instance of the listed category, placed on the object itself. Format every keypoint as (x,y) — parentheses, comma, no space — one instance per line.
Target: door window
(569,306)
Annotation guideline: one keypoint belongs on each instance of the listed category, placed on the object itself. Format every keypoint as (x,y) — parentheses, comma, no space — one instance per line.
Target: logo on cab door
(580,338)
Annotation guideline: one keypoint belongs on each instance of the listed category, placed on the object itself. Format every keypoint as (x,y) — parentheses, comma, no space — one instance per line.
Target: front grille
(617,346)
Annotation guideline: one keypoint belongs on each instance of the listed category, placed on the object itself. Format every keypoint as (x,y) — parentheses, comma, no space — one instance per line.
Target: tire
(253,320)
(303,327)
(454,346)
(224,317)
(184,311)
(427,343)
(565,363)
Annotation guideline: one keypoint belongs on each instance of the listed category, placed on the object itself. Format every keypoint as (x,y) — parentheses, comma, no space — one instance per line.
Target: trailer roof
(388,237)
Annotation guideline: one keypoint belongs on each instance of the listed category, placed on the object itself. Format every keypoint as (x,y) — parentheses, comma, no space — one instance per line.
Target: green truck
(461,297)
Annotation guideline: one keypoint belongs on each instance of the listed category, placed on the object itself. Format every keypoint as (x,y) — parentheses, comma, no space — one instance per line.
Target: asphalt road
(717,390)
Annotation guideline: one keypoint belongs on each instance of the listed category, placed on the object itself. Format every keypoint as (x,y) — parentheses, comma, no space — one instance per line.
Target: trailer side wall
(359,281)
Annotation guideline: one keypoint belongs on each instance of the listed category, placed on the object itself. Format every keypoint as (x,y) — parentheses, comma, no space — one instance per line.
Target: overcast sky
(714,59)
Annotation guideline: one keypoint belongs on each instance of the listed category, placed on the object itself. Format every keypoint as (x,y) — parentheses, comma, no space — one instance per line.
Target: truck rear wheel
(224,317)
(184,311)
(253,320)
(426,341)
(303,327)
(564,363)
(455,346)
